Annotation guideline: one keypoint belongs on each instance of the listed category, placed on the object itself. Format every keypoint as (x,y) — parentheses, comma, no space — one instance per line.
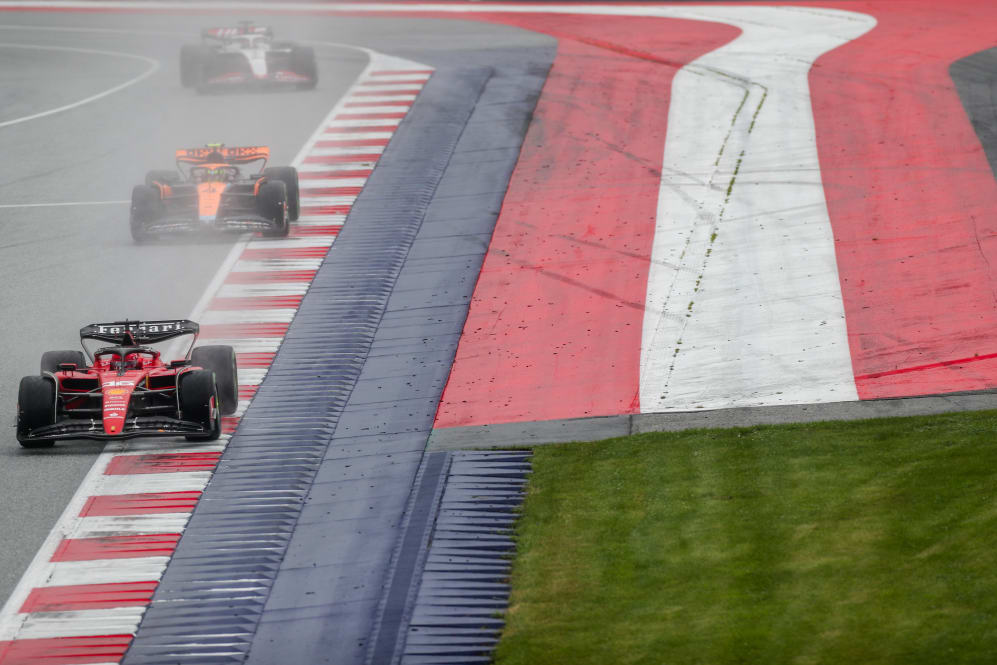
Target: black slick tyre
(191,64)
(220,360)
(289,176)
(52,359)
(199,403)
(146,207)
(303,63)
(271,203)
(163,176)
(35,408)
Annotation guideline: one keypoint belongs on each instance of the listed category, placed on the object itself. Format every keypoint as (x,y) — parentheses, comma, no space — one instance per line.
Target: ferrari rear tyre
(35,408)
(52,359)
(220,360)
(199,403)
(289,176)
(303,63)
(146,206)
(271,202)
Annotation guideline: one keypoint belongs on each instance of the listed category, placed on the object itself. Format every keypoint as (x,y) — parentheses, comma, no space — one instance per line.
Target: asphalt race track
(67,265)
(73,262)
(578,221)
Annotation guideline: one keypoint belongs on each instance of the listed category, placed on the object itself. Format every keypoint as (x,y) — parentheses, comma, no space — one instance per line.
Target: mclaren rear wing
(220,154)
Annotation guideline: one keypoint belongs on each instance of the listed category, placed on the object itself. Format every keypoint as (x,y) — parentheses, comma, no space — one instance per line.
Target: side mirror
(67,367)
(179,363)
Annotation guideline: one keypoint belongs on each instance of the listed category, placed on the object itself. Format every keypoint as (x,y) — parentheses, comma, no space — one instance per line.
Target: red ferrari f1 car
(126,389)
(209,192)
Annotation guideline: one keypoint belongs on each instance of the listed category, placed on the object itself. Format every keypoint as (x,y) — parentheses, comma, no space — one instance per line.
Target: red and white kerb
(83,596)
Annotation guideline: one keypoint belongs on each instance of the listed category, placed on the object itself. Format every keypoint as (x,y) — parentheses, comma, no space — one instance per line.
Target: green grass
(838,543)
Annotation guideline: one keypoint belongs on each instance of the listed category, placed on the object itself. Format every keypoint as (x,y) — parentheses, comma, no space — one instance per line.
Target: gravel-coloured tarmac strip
(975,79)
(503,435)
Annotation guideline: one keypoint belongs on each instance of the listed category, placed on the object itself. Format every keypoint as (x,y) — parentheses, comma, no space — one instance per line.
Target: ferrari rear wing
(138,332)
(220,154)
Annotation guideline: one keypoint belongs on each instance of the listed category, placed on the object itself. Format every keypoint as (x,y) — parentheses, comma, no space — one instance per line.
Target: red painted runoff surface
(65,650)
(270,276)
(265,253)
(256,302)
(107,505)
(313,231)
(911,199)
(89,596)
(116,547)
(162,463)
(554,327)
(243,330)
(254,359)
(341,159)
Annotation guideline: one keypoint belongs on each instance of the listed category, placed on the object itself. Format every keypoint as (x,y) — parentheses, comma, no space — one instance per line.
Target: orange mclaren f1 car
(210,192)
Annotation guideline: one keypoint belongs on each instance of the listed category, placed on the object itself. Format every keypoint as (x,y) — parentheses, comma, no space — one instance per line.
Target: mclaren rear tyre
(164,177)
(271,202)
(199,403)
(303,63)
(146,205)
(289,176)
(52,359)
(35,408)
(221,360)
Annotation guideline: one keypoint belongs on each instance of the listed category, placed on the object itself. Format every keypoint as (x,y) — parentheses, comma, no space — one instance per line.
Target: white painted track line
(152,68)
(72,204)
(744,304)
(115,621)
(105,571)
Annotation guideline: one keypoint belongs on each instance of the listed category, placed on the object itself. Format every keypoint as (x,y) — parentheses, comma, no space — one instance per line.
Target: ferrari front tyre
(146,207)
(35,408)
(271,203)
(220,359)
(289,176)
(303,64)
(52,359)
(198,399)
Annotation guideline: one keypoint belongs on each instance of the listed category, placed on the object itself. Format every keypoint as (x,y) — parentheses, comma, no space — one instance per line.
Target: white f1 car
(245,56)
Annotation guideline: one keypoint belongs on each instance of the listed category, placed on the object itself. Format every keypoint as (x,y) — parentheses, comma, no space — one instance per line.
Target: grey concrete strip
(975,79)
(395,610)
(349,557)
(530,433)
(595,429)
(463,586)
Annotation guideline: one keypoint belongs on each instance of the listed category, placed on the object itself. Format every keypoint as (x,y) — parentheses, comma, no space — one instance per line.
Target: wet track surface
(67,265)
(62,267)
(90,101)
